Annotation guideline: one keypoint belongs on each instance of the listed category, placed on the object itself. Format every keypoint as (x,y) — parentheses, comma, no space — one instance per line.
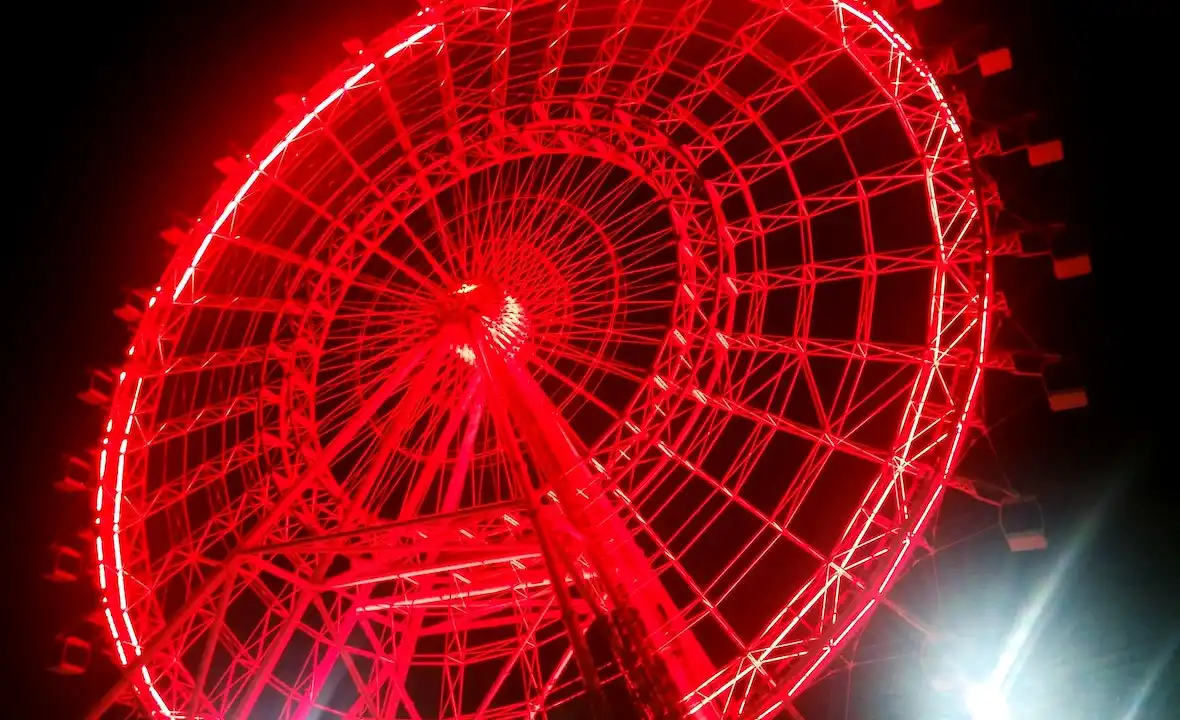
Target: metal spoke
(540,321)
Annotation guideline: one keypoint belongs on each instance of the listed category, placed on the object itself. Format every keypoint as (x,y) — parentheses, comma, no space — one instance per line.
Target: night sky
(120,112)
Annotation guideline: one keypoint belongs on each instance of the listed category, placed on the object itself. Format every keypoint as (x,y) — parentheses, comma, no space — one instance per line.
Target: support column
(662,659)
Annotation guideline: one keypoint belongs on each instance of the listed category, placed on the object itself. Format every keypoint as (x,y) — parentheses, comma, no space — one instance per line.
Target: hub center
(482,312)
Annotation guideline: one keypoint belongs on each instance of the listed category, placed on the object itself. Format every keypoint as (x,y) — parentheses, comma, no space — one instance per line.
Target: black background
(116,111)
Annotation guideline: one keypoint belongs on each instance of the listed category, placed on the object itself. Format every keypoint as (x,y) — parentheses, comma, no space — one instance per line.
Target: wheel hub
(481,312)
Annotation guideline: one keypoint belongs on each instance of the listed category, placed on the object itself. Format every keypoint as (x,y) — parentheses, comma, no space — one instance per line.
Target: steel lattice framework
(537,321)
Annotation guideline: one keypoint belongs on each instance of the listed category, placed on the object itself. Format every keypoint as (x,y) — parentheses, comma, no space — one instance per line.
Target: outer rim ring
(223,207)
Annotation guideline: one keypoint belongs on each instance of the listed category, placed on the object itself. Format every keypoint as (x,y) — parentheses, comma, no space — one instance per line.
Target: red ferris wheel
(548,349)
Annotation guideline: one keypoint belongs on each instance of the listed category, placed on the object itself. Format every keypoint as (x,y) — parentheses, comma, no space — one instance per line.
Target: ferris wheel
(547,353)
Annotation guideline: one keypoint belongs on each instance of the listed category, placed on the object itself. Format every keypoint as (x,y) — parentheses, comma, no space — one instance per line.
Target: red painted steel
(537,321)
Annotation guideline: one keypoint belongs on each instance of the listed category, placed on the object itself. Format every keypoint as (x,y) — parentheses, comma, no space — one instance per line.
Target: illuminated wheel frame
(687,291)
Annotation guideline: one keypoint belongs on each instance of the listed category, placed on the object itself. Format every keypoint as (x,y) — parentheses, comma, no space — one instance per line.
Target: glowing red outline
(126,399)
(120,598)
(904,48)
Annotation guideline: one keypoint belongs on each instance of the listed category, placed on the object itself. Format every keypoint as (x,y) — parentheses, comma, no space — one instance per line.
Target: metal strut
(638,611)
(557,566)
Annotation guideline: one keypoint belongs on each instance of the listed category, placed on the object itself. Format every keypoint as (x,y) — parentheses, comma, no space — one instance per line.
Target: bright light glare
(986,701)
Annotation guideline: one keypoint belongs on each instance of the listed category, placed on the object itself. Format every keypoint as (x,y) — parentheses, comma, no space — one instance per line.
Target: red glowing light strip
(890,35)
(120,389)
(879,24)
(886,31)
(449,597)
(453,567)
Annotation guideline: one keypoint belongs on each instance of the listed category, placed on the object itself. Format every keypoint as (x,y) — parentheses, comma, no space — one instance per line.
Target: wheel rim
(678,278)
